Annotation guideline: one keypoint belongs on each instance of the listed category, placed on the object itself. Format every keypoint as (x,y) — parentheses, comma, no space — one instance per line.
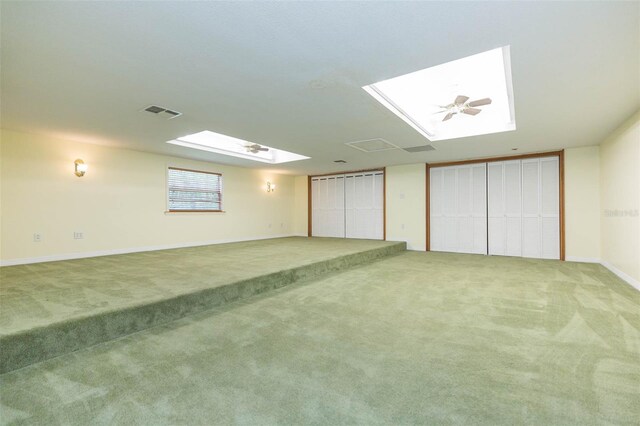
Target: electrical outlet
(402,226)
(269,226)
(78,235)
(282,225)
(37,237)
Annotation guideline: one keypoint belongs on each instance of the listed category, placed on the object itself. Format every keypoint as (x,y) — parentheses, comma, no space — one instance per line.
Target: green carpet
(418,338)
(50,309)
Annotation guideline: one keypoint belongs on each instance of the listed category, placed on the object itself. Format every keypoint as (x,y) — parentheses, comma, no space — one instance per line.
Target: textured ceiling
(289,74)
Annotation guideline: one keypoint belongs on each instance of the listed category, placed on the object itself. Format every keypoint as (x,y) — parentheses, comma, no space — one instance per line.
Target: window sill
(190,212)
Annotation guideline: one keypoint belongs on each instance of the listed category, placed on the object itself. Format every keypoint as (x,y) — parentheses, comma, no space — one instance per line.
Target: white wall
(582,203)
(120,203)
(620,200)
(301,218)
(406,205)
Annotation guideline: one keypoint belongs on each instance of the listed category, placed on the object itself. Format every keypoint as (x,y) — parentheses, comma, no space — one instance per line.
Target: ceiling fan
(255,148)
(460,105)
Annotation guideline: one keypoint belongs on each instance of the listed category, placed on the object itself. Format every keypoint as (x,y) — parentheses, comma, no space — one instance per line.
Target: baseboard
(628,278)
(582,259)
(71,256)
(624,276)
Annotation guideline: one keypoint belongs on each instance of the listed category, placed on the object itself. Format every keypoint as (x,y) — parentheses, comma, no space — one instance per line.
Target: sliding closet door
(531,226)
(472,209)
(458,219)
(540,208)
(449,210)
(349,206)
(328,206)
(436,211)
(364,194)
(505,208)
(550,207)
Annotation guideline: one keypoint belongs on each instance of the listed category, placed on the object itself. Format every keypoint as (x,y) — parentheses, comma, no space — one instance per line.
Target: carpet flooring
(417,338)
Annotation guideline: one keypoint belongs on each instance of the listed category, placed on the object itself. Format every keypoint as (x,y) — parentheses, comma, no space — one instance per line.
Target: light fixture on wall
(271,187)
(80,167)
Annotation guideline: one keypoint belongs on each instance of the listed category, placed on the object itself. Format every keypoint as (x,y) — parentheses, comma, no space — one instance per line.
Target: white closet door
(504,208)
(479,207)
(541,208)
(523,207)
(449,210)
(531,226)
(349,204)
(464,215)
(457,204)
(496,220)
(513,208)
(364,205)
(377,231)
(328,206)
(316,222)
(550,207)
(338,208)
(436,228)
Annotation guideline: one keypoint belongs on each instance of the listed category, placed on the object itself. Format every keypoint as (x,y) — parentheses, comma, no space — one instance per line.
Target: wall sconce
(80,167)
(271,187)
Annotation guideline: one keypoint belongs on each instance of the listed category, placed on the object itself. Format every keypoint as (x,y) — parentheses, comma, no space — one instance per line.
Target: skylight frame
(495,63)
(219,143)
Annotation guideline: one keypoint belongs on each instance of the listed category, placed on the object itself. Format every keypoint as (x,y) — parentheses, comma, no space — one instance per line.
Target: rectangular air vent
(421,148)
(372,145)
(162,112)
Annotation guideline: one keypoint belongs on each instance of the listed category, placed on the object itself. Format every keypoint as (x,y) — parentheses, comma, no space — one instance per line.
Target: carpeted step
(25,347)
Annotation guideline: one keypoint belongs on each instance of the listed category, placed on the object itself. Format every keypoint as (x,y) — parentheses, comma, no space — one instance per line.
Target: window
(194,191)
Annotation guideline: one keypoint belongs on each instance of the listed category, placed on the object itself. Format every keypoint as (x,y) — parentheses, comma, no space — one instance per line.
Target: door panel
(327,206)
(458,209)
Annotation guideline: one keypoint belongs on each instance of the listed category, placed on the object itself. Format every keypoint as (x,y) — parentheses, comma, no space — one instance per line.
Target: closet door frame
(559,154)
(384,197)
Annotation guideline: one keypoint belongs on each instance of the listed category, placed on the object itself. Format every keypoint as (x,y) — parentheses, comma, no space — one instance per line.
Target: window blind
(194,191)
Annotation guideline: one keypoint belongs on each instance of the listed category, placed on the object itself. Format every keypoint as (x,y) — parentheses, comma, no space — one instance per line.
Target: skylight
(423,99)
(227,145)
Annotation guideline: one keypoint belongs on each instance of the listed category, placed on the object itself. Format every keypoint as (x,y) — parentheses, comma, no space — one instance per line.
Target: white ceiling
(289,74)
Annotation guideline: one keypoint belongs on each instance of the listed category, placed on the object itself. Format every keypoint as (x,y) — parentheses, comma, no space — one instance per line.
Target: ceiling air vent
(421,148)
(162,112)
(339,161)
(372,145)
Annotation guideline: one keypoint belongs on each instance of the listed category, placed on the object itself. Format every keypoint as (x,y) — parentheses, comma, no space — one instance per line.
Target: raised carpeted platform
(50,309)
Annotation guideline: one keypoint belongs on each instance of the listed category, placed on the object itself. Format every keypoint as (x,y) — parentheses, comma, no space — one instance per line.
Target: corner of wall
(620,200)
(582,202)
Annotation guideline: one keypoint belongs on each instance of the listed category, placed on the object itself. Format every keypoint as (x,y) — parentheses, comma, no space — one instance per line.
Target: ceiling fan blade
(255,148)
(472,111)
(460,100)
(480,102)
(448,116)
